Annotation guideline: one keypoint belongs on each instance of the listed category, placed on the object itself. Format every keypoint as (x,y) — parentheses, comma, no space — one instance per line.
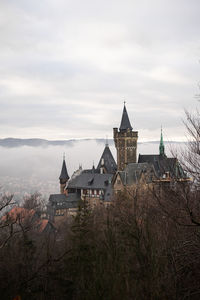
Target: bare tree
(191,155)
(34,201)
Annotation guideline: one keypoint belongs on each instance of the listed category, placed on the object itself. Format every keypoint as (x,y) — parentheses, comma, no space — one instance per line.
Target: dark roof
(108,161)
(90,171)
(125,123)
(73,197)
(63,201)
(57,198)
(90,181)
(163,164)
(64,175)
(133,172)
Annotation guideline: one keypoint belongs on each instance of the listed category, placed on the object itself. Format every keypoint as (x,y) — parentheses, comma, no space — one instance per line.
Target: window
(59,212)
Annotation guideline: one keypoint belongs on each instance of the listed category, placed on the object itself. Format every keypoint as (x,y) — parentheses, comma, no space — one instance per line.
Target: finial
(124,100)
(106,141)
(64,156)
(161,134)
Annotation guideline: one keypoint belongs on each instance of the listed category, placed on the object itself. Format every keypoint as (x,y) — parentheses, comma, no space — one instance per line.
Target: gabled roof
(125,123)
(64,174)
(163,164)
(108,161)
(61,201)
(57,198)
(43,225)
(133,172)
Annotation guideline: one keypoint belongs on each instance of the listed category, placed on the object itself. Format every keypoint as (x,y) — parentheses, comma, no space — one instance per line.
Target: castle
(98,185)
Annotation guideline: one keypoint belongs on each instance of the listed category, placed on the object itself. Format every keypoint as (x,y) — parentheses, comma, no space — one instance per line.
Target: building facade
(93,186)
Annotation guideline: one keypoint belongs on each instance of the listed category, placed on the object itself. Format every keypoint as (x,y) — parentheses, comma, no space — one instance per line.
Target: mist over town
(27,169)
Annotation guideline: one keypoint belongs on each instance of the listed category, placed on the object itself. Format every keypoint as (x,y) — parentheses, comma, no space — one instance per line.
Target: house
(95,188)
(61,206)
(134,174)
(91,185)
(29,219)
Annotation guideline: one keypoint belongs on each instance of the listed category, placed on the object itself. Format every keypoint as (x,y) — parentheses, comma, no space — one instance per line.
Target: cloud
(65,66)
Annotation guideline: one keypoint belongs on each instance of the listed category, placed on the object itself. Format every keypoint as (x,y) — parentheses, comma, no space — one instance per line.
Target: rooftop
(125,123)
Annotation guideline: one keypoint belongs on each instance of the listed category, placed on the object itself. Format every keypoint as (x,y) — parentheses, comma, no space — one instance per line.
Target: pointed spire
(64,177)
(106,145)
(161,147)
(107,161)
(93,168)
(125,123)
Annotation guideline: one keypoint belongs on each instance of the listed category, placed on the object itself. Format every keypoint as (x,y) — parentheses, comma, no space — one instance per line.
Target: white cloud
(67,65)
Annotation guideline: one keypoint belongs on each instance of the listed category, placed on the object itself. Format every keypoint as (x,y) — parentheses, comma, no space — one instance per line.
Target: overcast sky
(65,66)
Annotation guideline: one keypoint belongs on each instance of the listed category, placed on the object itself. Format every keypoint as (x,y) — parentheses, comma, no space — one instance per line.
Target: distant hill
(15,142)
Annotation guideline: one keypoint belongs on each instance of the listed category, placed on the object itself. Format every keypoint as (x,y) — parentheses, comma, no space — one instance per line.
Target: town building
(29,219)
(91,185)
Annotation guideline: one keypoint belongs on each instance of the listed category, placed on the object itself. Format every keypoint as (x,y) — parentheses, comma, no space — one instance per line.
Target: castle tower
(161,147)
(125,142)
(64,177)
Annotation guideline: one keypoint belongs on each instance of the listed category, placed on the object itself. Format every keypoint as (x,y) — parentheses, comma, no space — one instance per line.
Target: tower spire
(161,147)
(125,142)
(64,177)
(125,123)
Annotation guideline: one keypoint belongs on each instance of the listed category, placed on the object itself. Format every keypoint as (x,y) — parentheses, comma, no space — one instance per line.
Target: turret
(64,177)
(161,147)
(125,142)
